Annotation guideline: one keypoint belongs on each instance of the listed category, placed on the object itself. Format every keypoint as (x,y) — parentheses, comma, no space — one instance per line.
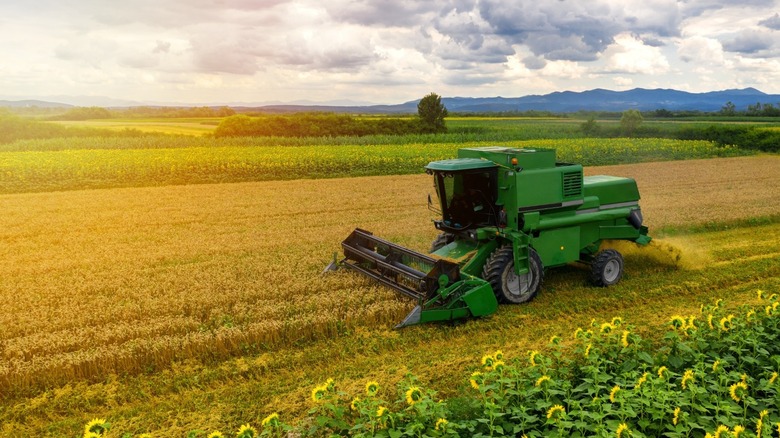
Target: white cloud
(630,55)
(699,50)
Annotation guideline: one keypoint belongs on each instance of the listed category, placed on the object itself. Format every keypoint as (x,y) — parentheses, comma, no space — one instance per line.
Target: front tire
(606,268)
(509,287)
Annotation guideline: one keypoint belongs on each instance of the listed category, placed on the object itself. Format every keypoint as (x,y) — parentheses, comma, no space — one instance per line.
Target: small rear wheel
(441,241)
(508,286)
(606,268)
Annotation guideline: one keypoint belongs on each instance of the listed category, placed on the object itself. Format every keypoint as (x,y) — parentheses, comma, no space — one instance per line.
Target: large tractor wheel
(509,287)
(606,268)
(441,241)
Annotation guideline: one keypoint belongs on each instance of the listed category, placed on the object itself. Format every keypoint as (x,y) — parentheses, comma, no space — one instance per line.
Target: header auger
(506,215)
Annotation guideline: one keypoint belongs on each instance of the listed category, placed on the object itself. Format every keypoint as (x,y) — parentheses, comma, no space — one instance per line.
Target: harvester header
(505,216)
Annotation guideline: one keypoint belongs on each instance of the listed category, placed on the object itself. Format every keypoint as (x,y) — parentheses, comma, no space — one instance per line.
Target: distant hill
(557,102)
(607,100)
(32,103)
(568,101)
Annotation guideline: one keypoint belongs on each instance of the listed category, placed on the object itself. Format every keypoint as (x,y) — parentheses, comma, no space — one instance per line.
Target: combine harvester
(506,215)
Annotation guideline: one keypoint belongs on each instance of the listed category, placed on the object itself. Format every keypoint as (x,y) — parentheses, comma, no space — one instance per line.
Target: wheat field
(100,284)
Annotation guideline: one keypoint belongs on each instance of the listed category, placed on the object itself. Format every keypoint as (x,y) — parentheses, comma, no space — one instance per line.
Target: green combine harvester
(506,215)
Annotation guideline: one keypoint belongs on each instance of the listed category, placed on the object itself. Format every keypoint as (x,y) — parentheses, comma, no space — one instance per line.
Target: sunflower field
(711,374)
(74,168)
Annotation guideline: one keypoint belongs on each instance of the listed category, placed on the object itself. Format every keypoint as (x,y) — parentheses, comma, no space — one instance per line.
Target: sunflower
(498,365)
(498,355)
(773,378)
(354,404)
(271,420)
(318,393)
(623,427)
(577,333)
(661,371)
(541,380)
(759,294)
(555,340)
(381,411)
(624,338)
(641,381)
(737,395)
(413,395)
(476,379)
(676,415)
(246,431)
(677,321)
(721,430)
(487,361)
(215,434)
(715,366)
(687,377)
(554,410)
(738,430)
(607,327)
(613,393)
(372,388)
(441,423)
(725,322)
(587,350)
(98,426)
(532,357)
(616,321)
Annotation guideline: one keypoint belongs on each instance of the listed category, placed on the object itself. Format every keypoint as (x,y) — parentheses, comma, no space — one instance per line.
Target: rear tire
(441,241)
(606,268)
(509,287)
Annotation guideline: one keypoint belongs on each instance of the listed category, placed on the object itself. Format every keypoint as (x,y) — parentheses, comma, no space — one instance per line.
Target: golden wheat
(124,280)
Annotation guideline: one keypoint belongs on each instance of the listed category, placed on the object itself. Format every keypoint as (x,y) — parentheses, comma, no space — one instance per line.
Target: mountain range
(557,102)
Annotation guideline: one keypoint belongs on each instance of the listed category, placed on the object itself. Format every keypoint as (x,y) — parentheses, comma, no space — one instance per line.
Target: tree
(432,113)
(590,127)
(630,121)
(729,109)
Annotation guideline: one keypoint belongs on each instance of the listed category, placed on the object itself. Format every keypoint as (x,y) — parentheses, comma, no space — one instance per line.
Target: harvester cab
(505,216)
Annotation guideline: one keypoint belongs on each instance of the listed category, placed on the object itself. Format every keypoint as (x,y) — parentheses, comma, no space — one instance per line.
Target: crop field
(183,307)
(75,168)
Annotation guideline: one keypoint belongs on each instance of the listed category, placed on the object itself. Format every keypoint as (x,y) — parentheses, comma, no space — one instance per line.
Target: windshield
(467,198)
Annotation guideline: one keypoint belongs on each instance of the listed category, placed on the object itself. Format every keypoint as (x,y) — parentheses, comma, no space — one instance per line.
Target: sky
(380,51)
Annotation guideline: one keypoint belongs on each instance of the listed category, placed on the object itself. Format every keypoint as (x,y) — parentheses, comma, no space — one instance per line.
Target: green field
(165,305)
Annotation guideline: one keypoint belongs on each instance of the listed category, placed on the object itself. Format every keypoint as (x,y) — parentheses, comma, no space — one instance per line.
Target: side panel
(558,246)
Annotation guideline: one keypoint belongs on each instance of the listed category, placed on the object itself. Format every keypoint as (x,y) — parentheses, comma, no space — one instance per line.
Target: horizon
(65,100)
(380,52)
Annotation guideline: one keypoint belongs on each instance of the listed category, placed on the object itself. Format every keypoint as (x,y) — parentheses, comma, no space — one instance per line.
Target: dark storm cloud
(749,42)
(772,22)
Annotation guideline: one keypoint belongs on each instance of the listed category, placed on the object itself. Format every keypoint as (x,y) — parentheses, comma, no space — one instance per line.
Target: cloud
(391,13)
(750,42)
(700,50)
(629,55)
(772,22)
